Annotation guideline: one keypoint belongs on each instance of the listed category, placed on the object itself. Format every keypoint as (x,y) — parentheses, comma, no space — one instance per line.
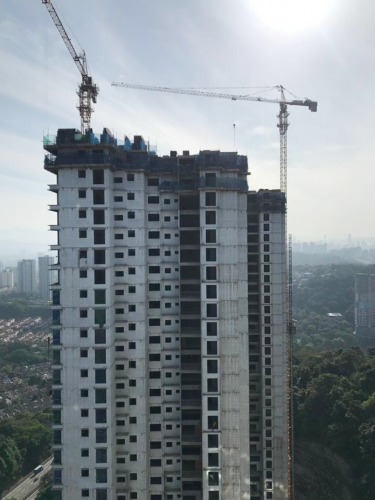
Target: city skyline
(17,251)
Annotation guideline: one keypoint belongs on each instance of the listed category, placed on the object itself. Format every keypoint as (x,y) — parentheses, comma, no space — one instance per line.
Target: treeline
(25,442)
(18,353)
(19,307)
(334,405)
(318,331)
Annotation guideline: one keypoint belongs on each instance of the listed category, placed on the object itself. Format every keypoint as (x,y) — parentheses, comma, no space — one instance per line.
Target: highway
(27,489)
(33,495)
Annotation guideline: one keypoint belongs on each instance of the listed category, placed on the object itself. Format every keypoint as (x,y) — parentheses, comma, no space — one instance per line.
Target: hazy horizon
(12,251)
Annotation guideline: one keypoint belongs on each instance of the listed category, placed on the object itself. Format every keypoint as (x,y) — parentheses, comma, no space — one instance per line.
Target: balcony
(192,486)
(191,403)
(54,248)
(223,183)
(190,330)
(190,295)
(179,186)
(191,438)
(190,308)
(65,159)
(122,434)
(191,417)
(56,338)
(191,367)
(191,474)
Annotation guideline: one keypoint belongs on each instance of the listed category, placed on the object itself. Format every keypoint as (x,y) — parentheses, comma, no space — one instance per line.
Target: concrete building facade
(45,276)
(169,352)
(364,307)
(6,278)
(26,276)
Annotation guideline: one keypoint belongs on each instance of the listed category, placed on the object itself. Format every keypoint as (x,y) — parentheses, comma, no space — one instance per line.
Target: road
(27,489)
(33,495)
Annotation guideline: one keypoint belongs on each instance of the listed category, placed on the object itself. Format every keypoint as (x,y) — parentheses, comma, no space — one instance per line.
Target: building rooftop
(69,147)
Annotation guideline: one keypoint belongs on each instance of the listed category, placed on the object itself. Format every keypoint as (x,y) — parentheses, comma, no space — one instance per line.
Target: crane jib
(312,105)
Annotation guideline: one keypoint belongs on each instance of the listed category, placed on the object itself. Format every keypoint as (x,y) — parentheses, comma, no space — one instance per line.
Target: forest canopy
(320,290)
(25,442)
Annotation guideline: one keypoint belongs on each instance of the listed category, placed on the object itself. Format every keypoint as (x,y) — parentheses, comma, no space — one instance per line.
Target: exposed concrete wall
(130,339)
(26,276)
(274,335)
(232,353)
(142,340)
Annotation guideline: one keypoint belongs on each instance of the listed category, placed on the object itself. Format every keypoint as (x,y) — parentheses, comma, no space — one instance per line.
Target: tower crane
(283,129)
(282,116)
(87,90)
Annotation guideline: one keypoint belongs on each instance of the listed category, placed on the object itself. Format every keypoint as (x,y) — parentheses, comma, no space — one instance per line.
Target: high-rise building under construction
(169,325)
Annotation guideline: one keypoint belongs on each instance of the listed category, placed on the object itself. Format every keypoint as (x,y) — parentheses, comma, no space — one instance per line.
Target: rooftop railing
(49,140)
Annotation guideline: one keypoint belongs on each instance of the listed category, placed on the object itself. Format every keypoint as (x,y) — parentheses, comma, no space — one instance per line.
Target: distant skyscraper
(365,305)
(1,265)
(26,276)
(45,276)
(169,325)
(6,278)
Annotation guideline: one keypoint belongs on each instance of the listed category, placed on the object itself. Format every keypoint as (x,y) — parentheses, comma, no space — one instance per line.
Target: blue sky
(198,44)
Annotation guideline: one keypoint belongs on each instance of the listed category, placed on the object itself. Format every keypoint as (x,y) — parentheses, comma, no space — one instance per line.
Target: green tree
(45,492)
(35,380)
(32,435)
(334,406)
(10,461)
(322,289)
(23,357)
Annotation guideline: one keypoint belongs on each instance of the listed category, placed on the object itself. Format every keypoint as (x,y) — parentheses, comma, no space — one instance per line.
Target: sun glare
(292,15)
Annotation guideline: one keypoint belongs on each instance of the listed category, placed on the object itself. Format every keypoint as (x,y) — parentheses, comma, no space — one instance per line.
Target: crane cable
(67,24)
(218,88)
(83,53)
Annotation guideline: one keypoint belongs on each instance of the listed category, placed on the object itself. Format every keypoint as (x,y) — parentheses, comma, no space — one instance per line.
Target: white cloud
(211,43)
